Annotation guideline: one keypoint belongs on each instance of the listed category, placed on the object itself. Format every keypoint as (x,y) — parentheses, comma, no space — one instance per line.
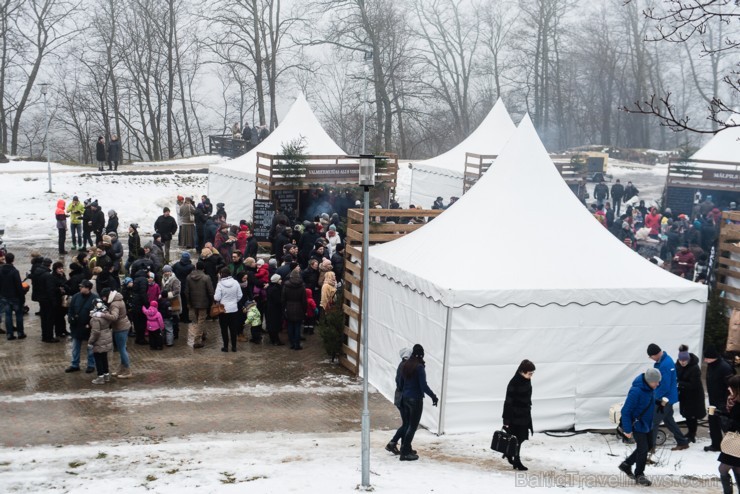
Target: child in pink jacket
(154,325)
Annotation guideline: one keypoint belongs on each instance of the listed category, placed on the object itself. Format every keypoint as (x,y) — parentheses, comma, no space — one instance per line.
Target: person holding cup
(666,394)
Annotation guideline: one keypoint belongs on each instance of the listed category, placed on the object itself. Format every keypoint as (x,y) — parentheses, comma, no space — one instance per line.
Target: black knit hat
(711,352)
(418,351)
(653,349)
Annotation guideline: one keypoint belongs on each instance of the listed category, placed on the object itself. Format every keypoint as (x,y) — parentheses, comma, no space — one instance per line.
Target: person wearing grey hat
(666,395)
(637,423)
(274,310)
(392,446)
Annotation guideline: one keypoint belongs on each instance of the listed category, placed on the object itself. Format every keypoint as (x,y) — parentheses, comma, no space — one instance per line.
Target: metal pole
(364,114)
(46,136)
(365,410)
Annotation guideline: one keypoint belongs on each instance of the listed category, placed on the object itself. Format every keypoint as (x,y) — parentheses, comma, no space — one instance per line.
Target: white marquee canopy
(516,269)
(443,175)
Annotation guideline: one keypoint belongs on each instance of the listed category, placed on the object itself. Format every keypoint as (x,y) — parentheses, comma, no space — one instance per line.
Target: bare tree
(704,22)
(43,26)
(451,39)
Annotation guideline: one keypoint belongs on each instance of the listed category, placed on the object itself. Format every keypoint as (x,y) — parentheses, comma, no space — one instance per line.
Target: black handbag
(505,443)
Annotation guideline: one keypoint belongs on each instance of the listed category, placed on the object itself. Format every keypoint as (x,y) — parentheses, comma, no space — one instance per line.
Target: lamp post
(367,58)
(367,180)
(44,90)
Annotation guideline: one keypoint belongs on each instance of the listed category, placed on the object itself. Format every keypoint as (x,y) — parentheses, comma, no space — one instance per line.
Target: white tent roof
(489,138)
(300,121)
(521,237)
(724,146)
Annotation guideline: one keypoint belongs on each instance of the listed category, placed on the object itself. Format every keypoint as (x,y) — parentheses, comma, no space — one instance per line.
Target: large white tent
(516,269)
(723,146)
(233,183)
(443,175)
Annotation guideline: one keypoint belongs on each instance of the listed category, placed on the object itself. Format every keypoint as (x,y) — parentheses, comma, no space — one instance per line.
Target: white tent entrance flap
(510,290)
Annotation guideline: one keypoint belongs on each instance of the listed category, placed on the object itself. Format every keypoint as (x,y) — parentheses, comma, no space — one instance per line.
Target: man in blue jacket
(637,423)
(665,396)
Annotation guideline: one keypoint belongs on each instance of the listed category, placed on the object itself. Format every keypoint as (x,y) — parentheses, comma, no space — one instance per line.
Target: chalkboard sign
(286,199)
(263,212)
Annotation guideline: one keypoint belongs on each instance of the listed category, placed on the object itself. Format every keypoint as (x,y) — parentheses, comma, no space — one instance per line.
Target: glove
(165,293)
(435,400)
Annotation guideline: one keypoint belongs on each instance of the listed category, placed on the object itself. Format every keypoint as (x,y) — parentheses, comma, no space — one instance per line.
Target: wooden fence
(385,225)
(728,269)
(475,166)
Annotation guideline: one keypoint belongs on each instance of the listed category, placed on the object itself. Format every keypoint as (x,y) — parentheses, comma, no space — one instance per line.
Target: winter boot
(99,380)
(642,480)
(508,458)
(517,464)
(726,481)
(124,373)
(409,457)
(393,448)
(106,377)
(627,469)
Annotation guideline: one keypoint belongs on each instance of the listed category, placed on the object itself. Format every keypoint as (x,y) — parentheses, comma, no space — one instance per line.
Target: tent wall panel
(401,319)
(235,189)
(580,353)
(428,183)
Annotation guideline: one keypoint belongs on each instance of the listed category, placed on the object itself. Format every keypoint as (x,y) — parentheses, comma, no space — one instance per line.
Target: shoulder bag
(217,309)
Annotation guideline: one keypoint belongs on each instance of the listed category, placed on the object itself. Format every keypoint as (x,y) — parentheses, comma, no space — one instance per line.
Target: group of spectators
(108,293)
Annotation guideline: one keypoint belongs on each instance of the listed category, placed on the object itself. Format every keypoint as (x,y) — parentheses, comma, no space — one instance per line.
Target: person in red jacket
(652,221)
(310,319)
(683,263)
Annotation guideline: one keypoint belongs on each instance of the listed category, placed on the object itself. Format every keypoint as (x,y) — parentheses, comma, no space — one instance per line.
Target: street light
(44,90)
(367,180)
(368,57)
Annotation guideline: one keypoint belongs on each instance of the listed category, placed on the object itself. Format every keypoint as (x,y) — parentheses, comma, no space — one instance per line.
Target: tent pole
(445,369)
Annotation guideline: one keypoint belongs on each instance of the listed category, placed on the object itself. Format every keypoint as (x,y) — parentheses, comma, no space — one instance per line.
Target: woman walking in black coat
(518,408)
(690,390)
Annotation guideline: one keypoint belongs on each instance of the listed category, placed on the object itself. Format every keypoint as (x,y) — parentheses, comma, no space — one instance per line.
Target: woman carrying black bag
(518,408)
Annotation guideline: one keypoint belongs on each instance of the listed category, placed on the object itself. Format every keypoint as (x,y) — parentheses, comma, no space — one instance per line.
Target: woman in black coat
(56,286)
(690,390)
(100,153)
(294,304)
(274,311)
(518,408)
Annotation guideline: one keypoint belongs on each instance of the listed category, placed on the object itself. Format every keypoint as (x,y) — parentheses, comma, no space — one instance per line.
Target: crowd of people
(654,393)
(109,293)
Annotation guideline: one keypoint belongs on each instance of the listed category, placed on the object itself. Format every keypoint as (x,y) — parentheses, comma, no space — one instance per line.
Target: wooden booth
(686,177)
(286,183)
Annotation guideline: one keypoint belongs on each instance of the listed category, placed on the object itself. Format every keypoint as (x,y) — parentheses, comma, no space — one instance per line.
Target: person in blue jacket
(666,395)
(637,423)
(412,380)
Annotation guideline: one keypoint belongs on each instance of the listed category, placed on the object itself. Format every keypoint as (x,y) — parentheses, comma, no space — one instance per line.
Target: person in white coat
(228,293)
(333,240)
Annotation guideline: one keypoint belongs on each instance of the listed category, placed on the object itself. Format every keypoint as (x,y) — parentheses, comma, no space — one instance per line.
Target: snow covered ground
(205,160)
(28,209)
(330,463)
